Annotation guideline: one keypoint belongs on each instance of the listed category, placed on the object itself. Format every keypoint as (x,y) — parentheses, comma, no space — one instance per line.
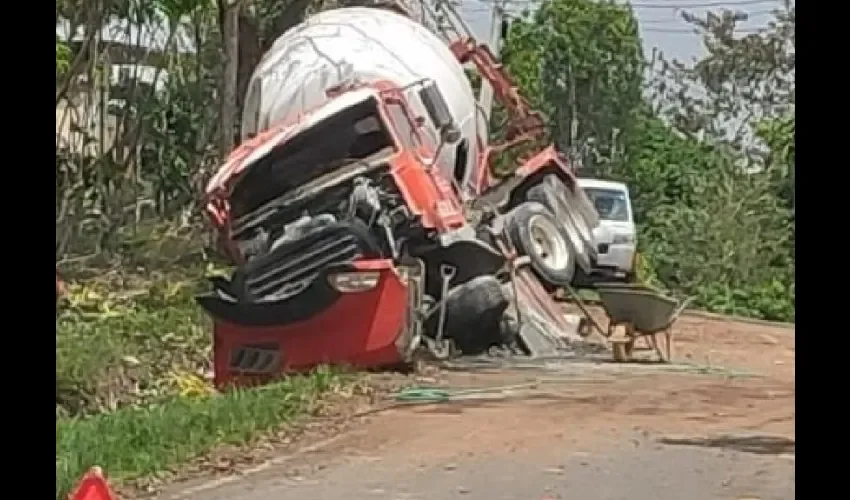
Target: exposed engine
(362,203)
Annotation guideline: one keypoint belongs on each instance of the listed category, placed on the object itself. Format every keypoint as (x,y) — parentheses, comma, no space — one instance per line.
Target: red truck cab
(313,212)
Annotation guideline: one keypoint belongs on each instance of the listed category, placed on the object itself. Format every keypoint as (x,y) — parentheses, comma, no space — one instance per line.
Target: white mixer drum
(357,44)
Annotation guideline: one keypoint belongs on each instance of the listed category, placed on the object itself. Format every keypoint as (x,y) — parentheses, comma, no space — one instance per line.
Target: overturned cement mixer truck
(363,213)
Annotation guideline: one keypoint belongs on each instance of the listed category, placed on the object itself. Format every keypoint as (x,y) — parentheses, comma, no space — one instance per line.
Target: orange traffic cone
(93,486)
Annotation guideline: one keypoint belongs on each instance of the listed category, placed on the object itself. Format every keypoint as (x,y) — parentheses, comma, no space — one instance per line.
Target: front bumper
(616,259)
(364,329)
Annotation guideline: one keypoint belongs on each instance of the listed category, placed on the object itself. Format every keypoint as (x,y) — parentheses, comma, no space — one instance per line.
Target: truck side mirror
(439,113)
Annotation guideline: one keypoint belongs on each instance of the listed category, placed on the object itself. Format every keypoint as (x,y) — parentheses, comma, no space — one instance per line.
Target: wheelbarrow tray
(647,310)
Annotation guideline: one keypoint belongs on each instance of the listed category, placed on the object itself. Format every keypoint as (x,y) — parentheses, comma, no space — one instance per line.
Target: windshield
(611,204)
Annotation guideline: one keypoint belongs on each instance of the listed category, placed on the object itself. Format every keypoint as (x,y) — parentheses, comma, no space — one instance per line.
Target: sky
(660,21)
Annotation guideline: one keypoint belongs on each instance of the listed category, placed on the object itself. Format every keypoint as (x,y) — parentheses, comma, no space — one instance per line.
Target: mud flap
(543,330)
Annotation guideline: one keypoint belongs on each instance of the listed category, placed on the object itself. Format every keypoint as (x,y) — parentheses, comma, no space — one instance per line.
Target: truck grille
(292,267)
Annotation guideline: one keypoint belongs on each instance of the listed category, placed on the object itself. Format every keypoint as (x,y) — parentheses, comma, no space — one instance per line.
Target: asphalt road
(639,469)
(604,432)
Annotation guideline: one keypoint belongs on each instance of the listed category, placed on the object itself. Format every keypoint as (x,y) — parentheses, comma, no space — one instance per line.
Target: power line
(640,5)
(693,31)
(736,3)
(482,10)
(668,21)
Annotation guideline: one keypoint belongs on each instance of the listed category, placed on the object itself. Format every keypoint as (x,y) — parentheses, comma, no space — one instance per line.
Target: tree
(229,12)
(581,62)
(708,229)
(260,23)
(684,141)
(713,169)
(134,97)
(742,80)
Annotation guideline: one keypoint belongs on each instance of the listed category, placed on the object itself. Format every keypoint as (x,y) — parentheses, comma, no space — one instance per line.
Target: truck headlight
(354,282)
(621,239)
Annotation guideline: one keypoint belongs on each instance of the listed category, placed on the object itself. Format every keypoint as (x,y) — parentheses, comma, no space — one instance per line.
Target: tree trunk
(230,35)
(250,53)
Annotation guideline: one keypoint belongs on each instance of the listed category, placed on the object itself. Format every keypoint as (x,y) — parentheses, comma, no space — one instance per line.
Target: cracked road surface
(610,432)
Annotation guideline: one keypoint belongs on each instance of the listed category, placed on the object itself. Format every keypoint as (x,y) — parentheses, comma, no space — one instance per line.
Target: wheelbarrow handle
(679,310)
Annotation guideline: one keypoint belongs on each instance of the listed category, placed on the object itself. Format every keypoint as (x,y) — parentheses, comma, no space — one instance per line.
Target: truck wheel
(535,233)
(580,235)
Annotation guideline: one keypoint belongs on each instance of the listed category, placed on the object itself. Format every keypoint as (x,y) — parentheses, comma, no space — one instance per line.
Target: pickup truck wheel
(535,233)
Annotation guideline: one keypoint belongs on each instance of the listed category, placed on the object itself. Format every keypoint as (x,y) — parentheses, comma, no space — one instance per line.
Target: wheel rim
(547,243)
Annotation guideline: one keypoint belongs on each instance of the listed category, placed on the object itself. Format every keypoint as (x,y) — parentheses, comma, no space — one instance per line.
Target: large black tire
(535,233)
(473,314)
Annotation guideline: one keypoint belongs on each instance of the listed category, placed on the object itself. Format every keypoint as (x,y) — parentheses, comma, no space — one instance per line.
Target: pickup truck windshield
(611,204)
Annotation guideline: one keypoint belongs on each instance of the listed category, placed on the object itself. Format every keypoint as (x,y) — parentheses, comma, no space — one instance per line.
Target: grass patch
(134,442)
(123,340)
(133,394)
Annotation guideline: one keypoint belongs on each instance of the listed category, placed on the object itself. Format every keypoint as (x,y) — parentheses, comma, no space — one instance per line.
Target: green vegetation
(581,63)
(712,188)
(124,340)
(132,442)
(133,393)
(132,375)
(133,368)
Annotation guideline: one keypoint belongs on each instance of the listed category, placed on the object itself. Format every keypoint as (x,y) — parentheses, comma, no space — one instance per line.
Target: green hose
(429,395)
(433,395)
(423,395)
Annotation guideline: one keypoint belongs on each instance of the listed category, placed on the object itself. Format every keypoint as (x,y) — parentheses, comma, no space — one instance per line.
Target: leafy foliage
(138,109)
(581,63)
(137,101)
(710,229)
(713,194)
(741,79)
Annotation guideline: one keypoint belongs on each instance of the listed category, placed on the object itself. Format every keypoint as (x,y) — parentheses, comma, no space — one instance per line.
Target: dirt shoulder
(608,414)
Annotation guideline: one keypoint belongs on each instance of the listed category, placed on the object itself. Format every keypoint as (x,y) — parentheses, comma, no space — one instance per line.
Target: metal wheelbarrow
(636,311)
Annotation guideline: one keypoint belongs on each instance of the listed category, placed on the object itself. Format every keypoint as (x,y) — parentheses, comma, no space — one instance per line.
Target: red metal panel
(360,330)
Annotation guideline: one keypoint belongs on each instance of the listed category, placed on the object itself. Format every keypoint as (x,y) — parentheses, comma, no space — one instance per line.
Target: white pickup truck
(615,236)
